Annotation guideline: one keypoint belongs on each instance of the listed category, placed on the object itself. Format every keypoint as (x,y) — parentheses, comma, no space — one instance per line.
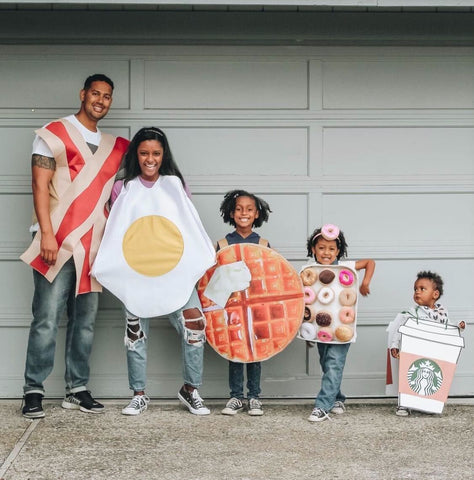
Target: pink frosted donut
(346,278)
(309,276)
(325,335)
(325,295)
(309,295)
(347,297)
(347,315)
(344,333)
(308,331)
(309,313)
(329,231)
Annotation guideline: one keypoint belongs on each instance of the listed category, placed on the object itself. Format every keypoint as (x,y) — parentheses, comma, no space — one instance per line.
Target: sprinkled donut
(330,231)
(344,333)
(323,319)
(346,278)
(309,276)
(308,331)
(325,335)
(347,315)
(326,276)
(326,295)
(347,297)
(309,313)
(309,295)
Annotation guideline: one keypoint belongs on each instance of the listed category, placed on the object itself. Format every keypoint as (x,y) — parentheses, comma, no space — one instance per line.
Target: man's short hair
(97,77)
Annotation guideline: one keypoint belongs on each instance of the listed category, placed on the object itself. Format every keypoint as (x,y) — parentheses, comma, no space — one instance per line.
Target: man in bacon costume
(73,168)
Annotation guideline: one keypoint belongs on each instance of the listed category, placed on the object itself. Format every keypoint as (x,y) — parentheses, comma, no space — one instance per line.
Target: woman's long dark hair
(130,166)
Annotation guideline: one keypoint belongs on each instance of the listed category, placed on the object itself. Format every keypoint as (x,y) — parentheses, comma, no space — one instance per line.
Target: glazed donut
(323,319)
(346,278)
(309,313)
(309,295)
(308,331)
(325,335)
(347,297)
(325,295)
(309,276)
(329,231)
(347,315)
(344,333)
(326,276)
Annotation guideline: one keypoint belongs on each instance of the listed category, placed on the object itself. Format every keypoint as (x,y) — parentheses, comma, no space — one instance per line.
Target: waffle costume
(79,192)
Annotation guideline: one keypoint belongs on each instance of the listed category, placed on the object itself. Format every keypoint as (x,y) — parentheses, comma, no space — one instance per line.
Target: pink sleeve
(116,189)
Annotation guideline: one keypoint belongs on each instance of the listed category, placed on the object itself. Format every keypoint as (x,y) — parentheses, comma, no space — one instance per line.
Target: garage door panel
(240,151)
(59,81)
(398,151)
(226,84)
(406,225)
(398,83)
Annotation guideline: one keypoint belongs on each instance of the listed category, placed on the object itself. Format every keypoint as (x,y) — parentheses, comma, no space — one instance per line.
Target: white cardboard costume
(154,248)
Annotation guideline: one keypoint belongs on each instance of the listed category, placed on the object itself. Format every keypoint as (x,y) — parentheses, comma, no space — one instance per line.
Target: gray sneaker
(318,415)
(255,407)
(339,408)
(402,412)
(137,405)
(233,406)
(193,402)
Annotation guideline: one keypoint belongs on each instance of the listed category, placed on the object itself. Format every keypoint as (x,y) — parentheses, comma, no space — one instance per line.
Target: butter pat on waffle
(261,320)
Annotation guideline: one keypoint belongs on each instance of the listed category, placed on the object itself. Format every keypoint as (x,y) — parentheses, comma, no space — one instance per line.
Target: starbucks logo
(425,377)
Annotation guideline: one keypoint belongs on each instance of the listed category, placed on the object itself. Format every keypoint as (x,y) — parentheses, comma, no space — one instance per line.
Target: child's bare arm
(369,266)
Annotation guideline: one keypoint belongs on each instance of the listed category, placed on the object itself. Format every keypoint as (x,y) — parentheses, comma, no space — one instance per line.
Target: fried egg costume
(154,248)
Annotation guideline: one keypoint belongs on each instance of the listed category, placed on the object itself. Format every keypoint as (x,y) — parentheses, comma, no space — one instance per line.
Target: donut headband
(328,232)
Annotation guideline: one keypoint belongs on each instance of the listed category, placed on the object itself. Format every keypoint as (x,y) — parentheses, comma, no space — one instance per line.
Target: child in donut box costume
(330,315)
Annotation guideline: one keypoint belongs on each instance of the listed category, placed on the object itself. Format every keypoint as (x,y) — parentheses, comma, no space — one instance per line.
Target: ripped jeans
(192,354)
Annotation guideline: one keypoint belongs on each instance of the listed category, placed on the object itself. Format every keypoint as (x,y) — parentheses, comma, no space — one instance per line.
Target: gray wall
(378,140)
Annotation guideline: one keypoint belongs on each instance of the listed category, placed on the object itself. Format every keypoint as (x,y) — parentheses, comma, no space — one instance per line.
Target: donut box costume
(259,321)
(79,192)
(330,314)
(154,248)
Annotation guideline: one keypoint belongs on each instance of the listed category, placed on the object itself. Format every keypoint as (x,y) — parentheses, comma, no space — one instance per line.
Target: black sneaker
(193,401)
(82,401)
(33,407)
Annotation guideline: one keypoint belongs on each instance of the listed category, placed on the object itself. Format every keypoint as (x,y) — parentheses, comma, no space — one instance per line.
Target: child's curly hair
(228,207)
(316,235)
(435,279)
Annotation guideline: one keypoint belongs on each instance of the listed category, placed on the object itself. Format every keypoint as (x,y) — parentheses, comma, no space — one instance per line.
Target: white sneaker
(402,412)
(255,407)
(318,415)
(233,406)
(339,408)
(137,405)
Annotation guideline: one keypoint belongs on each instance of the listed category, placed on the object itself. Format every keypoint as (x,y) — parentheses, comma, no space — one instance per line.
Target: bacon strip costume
(79,192)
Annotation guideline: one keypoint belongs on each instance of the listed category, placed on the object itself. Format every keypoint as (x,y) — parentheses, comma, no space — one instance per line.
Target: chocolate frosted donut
(326,276)
(309,313)
(323,319)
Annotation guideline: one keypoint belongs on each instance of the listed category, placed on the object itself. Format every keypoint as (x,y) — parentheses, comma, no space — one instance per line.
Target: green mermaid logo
(425,377)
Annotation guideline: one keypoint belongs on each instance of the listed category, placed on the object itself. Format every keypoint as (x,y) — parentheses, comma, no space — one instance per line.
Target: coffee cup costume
(263,313)
(429,351)
(86,165)
(154,248)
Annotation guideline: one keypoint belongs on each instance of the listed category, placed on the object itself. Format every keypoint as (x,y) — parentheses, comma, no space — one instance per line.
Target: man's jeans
(50,302)
(192,354)
(236,379)
(332,358)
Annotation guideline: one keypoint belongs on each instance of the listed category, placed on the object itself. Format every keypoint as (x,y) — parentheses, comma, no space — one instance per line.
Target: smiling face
(150,157)
(245,213)
(95,103)
(425,293)
(325,251)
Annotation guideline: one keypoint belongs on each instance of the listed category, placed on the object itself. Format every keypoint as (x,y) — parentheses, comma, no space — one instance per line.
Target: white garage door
(378,141)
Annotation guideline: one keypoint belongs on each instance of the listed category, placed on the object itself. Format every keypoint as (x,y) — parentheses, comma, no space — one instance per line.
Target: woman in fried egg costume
(153,252)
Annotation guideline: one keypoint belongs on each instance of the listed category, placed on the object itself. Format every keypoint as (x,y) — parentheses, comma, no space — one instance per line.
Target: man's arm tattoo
(43,162)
